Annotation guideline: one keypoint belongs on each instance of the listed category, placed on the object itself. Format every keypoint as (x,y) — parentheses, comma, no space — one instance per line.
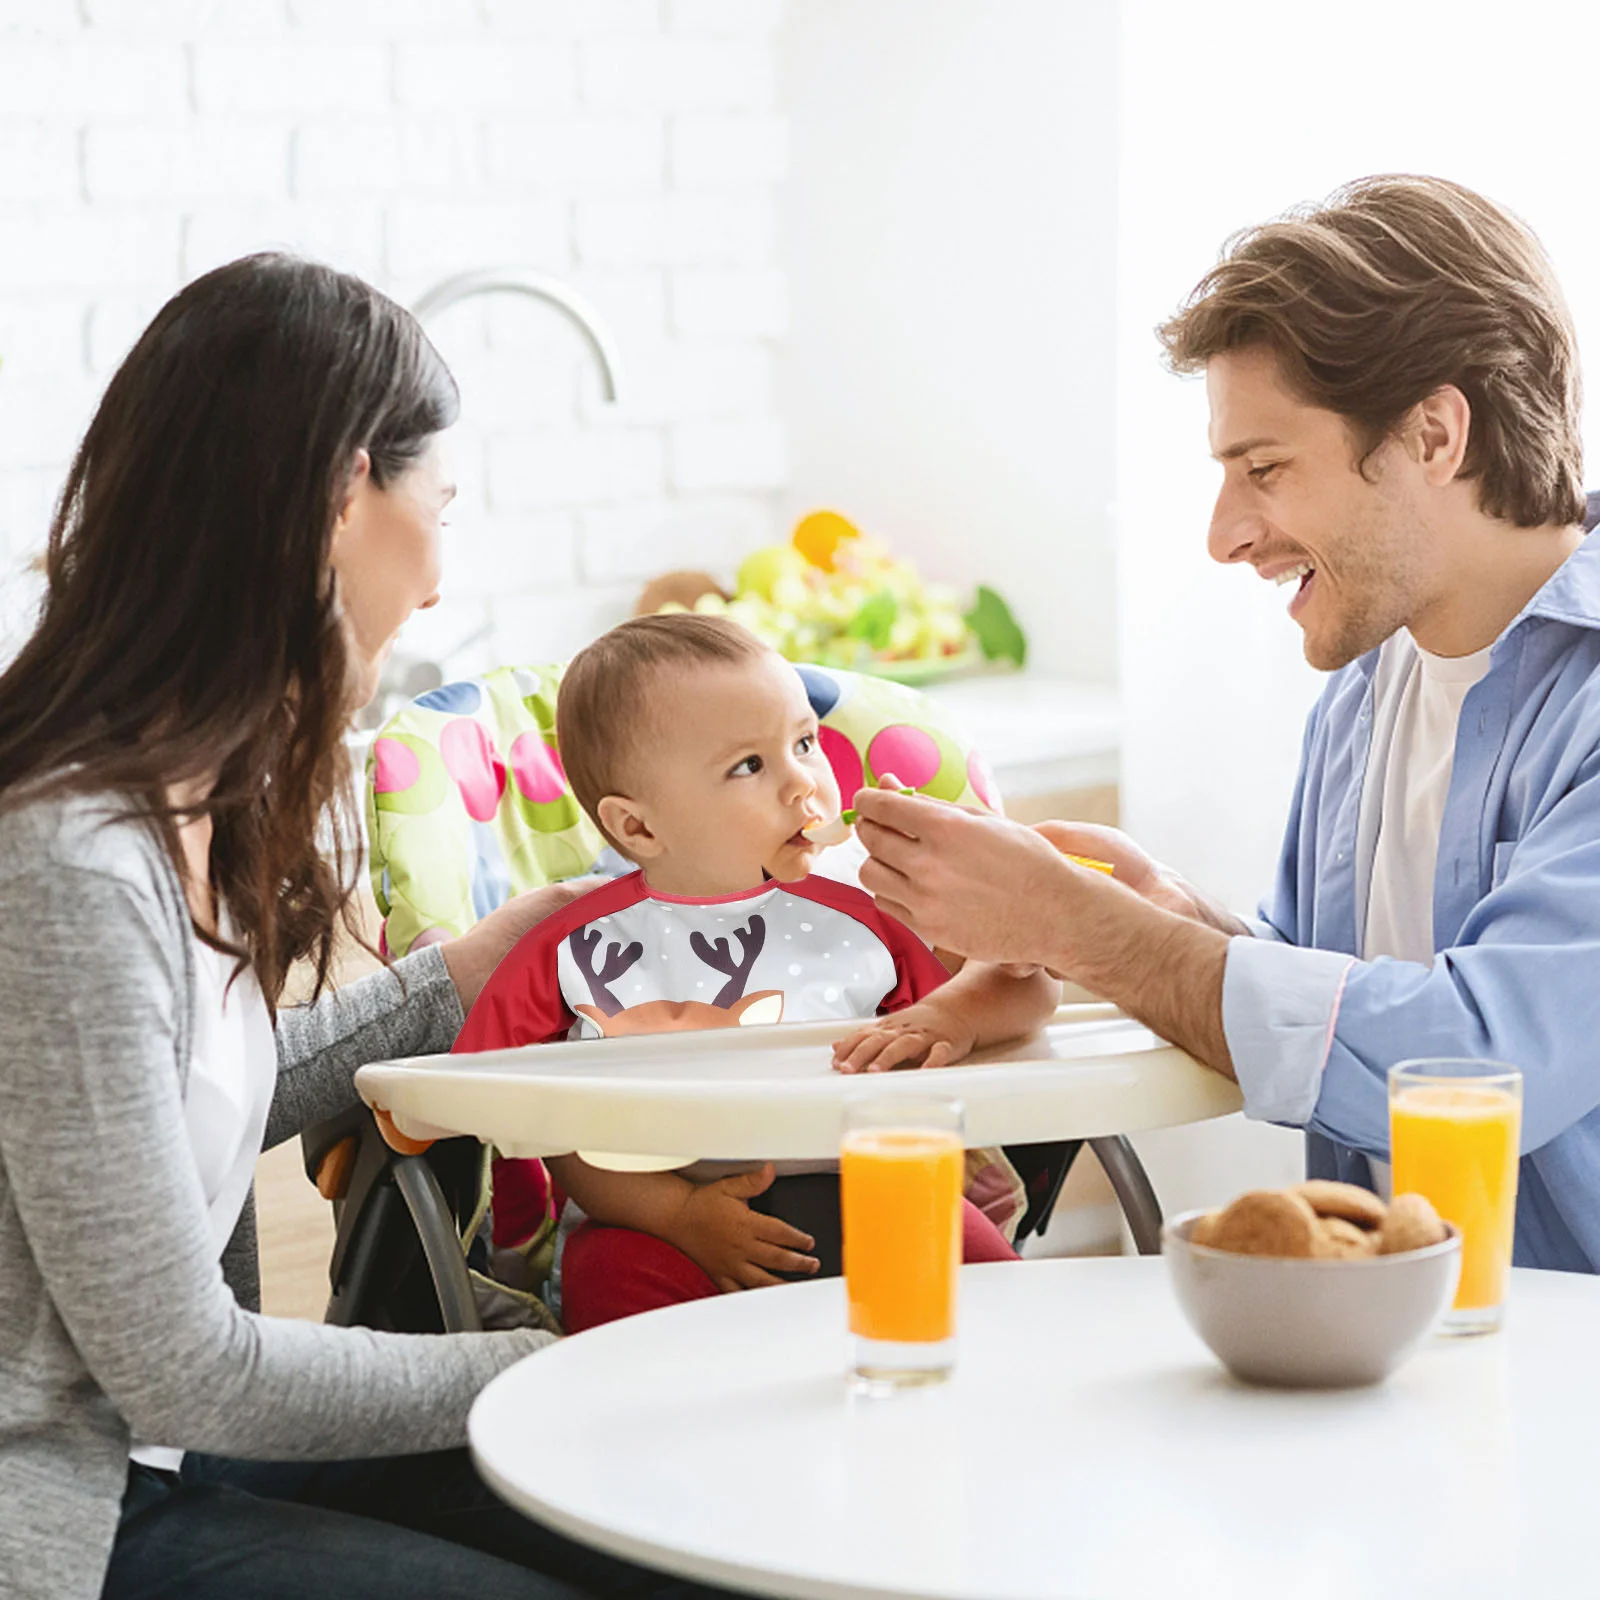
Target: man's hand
(735,1247)
(922,1035)
(471,958)
(987,888)
(1140,872)
(996,891)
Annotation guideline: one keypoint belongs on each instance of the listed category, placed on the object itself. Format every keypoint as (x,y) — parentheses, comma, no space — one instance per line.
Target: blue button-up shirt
(1516,924)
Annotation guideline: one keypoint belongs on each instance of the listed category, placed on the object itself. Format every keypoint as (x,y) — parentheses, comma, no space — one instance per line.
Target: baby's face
(727,774)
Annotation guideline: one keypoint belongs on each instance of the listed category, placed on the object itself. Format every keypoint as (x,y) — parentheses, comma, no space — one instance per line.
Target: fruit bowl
(914,673)
(836,598)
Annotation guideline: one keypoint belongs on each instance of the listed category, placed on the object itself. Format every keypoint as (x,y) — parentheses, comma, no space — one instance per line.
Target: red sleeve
(522,1001)
(918,971)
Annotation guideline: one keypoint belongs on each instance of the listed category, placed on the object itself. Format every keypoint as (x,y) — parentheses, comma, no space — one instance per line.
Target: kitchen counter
(1041,735)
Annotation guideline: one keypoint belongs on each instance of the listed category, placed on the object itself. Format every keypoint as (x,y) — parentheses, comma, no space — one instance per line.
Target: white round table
(771,1093)
(1088,1447)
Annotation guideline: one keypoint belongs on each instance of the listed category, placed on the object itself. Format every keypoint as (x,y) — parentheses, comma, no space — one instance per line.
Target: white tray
(771,1093)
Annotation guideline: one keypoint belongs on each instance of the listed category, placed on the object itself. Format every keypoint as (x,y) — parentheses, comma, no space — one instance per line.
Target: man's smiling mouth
(1301,573)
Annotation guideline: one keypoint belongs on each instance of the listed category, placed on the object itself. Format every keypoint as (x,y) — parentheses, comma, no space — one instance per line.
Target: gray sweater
(115,1314)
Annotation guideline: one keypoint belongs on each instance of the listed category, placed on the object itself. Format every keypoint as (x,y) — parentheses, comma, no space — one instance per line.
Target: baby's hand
(735,1247)
(923,1035)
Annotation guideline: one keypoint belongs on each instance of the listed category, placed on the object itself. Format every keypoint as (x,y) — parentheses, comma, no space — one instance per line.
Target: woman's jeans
(400,1528)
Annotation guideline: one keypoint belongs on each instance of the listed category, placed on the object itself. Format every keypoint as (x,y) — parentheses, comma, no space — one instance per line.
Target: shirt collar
(1571,594)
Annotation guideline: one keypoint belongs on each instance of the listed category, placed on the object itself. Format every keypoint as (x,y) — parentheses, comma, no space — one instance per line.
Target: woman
(252,515)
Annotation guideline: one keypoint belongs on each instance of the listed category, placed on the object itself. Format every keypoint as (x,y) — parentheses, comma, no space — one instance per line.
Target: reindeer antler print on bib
(584,943)
(730,1009)
(719,959)
(798,952)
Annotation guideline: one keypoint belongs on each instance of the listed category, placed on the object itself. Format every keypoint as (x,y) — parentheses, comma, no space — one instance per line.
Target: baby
(695,751)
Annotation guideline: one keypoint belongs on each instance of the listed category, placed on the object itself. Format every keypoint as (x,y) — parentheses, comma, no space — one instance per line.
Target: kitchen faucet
(518,280)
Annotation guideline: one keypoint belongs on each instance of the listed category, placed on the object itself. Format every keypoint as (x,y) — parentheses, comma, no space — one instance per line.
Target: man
(1394,394)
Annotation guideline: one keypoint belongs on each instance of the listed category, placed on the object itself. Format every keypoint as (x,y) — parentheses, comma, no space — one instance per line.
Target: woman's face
(386,557)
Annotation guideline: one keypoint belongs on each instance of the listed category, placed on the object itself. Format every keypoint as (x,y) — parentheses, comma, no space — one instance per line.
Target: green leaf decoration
(998,634)
(874,620)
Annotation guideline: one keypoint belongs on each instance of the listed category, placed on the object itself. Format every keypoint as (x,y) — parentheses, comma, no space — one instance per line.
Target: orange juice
(902,1232)
(1456,1144)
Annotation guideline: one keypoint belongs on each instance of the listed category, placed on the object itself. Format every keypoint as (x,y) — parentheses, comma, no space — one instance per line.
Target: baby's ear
(625,821)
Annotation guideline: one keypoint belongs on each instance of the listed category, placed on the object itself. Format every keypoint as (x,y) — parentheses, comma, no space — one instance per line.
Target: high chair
(466,805)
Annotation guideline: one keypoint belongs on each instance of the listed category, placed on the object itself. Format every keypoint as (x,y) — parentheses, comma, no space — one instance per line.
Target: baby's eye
(747,768)
(805,744)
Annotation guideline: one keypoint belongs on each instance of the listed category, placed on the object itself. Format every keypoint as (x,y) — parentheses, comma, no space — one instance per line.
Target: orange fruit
(818,535)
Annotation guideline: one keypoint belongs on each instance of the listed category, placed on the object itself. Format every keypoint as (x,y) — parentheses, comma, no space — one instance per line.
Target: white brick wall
(713,151)
(632,148)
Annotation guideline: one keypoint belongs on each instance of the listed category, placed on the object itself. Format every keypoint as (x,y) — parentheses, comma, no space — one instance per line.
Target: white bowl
(1310,1324)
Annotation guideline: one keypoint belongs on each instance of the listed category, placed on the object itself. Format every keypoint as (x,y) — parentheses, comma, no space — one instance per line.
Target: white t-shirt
(1417,700)
(233,1070)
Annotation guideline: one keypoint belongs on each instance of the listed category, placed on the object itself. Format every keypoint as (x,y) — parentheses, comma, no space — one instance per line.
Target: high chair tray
(770,1093)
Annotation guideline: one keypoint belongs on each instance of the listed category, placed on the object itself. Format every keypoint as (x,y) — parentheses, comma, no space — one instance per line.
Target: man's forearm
(1164,969)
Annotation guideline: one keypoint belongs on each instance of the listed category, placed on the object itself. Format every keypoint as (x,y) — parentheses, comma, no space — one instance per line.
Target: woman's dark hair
(1392,288)
(191,622)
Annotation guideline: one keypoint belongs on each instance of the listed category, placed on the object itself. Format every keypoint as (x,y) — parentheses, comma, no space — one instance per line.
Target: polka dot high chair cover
(467,803)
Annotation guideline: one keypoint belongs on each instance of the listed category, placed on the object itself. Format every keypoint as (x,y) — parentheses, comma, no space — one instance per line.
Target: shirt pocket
(1502,862)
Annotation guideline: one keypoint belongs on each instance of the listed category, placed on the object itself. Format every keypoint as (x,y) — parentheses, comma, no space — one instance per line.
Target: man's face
(1353,552)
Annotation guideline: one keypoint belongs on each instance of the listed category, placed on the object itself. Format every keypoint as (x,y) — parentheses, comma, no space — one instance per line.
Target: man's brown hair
(1392,288)
(607,692)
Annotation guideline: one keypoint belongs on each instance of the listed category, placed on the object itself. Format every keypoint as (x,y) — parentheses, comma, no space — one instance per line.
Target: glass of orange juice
(1454,1128)
(901,1163)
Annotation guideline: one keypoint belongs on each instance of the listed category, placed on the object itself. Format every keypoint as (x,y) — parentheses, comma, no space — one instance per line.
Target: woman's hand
(923,1035)
(471,958)
(735,1247)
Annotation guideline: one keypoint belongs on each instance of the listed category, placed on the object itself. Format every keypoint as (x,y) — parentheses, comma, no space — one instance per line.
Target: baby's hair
(607,688)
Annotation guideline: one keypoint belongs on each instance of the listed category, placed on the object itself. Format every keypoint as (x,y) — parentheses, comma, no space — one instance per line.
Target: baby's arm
(711,1223)
(982,1004)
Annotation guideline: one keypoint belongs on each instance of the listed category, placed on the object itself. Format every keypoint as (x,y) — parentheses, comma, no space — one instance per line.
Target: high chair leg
(441,1244)
(1134,1191)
